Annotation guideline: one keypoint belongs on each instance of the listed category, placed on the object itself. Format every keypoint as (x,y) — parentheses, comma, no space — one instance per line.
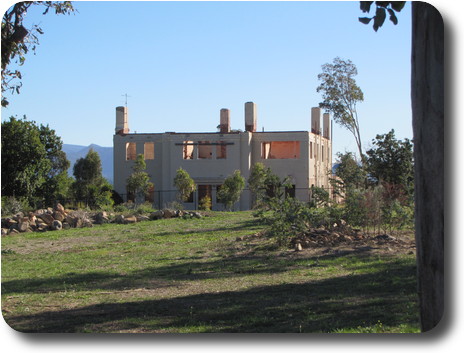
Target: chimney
(224,125)
(316,120)
(122,124)
(326,125)
(250,117)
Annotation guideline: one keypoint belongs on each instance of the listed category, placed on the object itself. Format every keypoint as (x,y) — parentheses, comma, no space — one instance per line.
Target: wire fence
(160,199)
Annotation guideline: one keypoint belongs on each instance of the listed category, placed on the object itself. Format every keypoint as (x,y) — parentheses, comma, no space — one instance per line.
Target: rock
(59,216)
(168,213)
(13,231)
(47,218)
(59,208)
(298,247)
(66,225)
(157,215)
(101,218)
(142,218)
(130,219)
(119,219)
(4,231)
(196,214)
(56,225)
(23,226)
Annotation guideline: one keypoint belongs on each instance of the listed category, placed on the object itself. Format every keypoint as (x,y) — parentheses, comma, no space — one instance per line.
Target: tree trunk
(427,93)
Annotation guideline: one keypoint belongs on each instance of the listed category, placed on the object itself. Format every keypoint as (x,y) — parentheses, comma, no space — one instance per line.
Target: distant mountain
(74,152)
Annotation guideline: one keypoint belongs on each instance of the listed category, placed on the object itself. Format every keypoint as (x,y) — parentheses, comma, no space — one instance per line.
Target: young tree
(230,191)
(90,184)
(391,160)
(139,181)
(349,171)
(17,41)
(184,184)
(340,95)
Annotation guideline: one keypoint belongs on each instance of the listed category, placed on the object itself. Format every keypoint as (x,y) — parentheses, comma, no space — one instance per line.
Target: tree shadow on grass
(387,295)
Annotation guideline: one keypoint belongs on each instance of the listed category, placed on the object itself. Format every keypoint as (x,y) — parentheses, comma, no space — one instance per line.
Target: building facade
(303,156)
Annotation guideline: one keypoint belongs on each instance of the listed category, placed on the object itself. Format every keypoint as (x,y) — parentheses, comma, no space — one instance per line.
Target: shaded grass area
(192,276)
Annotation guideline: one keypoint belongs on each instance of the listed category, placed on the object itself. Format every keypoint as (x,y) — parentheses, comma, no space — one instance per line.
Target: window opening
(131,152)
(187,150)
(149,150)
(205,150)
(280,150)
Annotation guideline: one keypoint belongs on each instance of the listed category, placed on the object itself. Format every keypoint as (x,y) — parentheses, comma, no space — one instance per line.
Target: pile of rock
(45,219)
(59,218)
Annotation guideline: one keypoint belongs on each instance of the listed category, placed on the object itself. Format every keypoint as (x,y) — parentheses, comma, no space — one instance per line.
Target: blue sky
(181,62)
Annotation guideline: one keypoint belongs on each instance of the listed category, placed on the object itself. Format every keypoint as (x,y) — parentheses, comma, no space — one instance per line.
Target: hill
(74,152)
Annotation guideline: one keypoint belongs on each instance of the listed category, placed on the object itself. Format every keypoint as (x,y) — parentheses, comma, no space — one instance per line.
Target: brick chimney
(250,117)
(122,123)
(224,125)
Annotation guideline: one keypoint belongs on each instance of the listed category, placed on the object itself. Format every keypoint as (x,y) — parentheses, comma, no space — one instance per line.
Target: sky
(181,62)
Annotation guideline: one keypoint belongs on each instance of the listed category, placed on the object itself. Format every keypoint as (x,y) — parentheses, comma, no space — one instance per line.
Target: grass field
(178,275)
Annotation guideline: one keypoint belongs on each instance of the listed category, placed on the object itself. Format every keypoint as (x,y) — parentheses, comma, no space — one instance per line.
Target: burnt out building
(305,157)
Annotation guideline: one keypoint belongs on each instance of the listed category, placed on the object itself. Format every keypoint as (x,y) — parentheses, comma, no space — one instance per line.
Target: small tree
(90,185)
(231,190)
(139,181)
(184,184)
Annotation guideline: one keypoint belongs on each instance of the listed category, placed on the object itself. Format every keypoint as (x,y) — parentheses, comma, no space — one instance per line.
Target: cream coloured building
(303,156)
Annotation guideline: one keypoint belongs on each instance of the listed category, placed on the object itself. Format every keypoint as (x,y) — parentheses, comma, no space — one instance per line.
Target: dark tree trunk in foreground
(428,128)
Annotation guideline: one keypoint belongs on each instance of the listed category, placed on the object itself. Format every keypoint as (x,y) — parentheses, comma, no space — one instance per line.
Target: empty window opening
(205,150)
(187,150)
(221,151)
(204,191)
(149,150)
(131,152)
(280,150)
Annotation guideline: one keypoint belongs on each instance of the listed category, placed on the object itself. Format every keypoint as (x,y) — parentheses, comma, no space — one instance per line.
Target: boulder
(157,215)
(130,219)
(23,226)
(142,218)
(4,231)
(59,216)
(119,219)
(196,214)
(101,218)
(47,218)
(56,225)
(59,208)
(169,213)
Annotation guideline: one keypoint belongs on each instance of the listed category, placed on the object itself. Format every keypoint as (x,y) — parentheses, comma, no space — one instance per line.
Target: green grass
(179,275)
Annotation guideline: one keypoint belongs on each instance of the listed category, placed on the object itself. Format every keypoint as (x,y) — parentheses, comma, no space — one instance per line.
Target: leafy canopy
(184,184)
(17,41)
(33,164)
(230,191)
(341,94)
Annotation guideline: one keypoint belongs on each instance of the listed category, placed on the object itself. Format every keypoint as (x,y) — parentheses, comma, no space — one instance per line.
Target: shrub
(205,203)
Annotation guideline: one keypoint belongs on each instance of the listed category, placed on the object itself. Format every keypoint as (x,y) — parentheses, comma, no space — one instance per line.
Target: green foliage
(349,171)
(205,203)
(90,186)
(391,160)
(33,165)
(230,191)
(139,181)
(319,197)
(382,7)
(17,41)
(184,184)
(341,94)
(12,205)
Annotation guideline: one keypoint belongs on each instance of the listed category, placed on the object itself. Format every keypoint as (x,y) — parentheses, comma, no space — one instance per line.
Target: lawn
(193,275)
